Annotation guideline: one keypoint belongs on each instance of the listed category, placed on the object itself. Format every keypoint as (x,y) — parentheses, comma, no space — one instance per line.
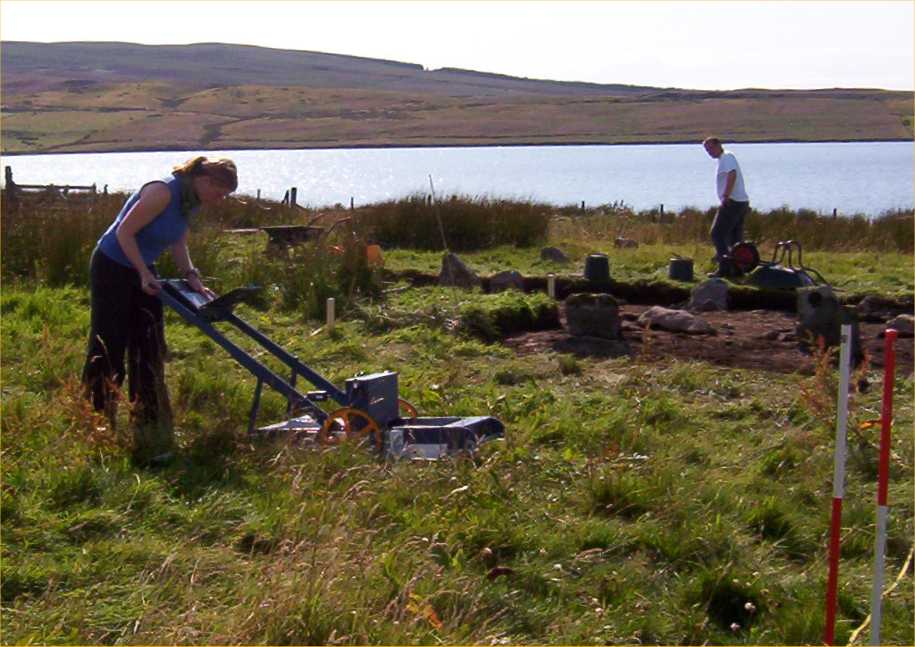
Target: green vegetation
(675,502)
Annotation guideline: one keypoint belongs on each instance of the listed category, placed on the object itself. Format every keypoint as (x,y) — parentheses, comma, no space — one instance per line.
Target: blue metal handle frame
(262,372)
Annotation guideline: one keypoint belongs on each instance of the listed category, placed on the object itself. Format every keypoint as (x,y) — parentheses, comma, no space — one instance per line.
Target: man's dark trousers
(727,228)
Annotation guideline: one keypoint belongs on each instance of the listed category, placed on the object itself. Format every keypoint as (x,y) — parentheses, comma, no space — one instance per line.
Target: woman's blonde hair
(221,170)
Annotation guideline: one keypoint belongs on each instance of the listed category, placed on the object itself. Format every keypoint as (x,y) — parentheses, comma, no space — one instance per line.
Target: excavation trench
(653,292)
(757,332)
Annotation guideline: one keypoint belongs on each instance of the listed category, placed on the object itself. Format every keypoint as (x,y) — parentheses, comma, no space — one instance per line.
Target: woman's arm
(186,268)
(154,198)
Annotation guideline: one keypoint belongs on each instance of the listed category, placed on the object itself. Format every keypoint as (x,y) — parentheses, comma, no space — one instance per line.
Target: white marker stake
(330,314)
(551,285)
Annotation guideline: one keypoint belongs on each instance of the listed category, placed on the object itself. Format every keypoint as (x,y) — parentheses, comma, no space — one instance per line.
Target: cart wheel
(353,422)
(406,407)
(744,256)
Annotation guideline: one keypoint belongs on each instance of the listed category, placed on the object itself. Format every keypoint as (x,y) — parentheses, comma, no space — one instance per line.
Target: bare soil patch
(754,339)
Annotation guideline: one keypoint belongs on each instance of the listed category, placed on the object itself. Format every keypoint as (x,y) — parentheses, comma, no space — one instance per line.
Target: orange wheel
(353,422)
(406,407)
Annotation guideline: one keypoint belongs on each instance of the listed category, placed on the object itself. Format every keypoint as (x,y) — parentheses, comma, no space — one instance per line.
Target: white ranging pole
(838,486)
(886,423)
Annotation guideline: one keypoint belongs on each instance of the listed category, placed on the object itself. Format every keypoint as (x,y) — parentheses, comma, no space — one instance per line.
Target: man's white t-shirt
(727,163)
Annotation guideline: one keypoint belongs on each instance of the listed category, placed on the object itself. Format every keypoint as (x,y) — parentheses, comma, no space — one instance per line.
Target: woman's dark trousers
(127,320)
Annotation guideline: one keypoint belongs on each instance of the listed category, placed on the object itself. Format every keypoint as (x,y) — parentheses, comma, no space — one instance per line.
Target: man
(727,228)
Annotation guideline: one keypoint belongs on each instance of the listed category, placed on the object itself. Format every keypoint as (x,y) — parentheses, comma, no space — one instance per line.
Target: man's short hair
(714,141)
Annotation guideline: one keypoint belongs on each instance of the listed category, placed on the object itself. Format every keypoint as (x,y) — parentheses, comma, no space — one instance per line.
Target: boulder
(593,315)
(903,324)
(506,280)
(553,254)
(709,295)
(675,321)
(456,273)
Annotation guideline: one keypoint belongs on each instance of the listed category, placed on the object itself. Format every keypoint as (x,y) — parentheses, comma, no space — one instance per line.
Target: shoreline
(171,149)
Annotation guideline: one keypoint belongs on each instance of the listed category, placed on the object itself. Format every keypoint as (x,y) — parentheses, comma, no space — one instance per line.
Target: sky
(712,45)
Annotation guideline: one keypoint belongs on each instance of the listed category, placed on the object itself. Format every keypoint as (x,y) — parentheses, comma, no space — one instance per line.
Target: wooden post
(105,190)
(8,171)
(286,198)
(582,205)
(835,213)
(351,203)
(258,195)
(292,197)
(662,208)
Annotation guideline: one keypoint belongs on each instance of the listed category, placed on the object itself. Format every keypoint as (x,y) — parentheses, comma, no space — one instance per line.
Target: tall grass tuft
(468,222)
(50,238)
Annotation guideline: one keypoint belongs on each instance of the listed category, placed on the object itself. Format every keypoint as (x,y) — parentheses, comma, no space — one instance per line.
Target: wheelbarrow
(779,273)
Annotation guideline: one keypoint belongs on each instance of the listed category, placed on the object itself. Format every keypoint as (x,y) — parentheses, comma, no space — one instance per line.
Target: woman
(126,313)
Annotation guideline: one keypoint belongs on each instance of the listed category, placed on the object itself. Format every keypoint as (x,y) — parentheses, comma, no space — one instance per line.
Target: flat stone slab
(675,321)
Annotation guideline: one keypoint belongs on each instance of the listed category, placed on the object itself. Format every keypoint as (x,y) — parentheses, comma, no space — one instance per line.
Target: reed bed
(890,232)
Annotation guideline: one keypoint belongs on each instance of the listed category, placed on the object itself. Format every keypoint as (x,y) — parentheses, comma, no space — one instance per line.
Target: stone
(675,321)
(509,279)
(553,254)
(709,296)
(820,315)
(876,309)
(456,273)
(593,315)
(586,346)
(903,324)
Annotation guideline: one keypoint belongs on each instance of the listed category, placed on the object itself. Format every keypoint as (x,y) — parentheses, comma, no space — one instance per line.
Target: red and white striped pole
(838,485)
(886,423)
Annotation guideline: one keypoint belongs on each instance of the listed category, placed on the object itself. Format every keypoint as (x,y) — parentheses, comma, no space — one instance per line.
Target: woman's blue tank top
(164,231)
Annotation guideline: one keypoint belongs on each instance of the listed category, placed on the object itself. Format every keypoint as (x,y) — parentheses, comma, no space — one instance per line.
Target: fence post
(286,198)
(835,212)
(582,205)
(351,203)
(10,185)
(551,285)
(662,208)
(292,197)
(258,195)
(105,190)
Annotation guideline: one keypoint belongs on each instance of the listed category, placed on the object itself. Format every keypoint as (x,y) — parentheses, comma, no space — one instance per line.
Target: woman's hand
(150,284)
(193,280)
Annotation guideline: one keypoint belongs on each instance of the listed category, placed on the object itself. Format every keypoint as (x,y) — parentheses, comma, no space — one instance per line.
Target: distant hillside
(38,66)
(68,97)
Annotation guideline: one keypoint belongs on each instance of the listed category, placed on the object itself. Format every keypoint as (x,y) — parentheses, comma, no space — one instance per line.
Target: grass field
(670,502)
